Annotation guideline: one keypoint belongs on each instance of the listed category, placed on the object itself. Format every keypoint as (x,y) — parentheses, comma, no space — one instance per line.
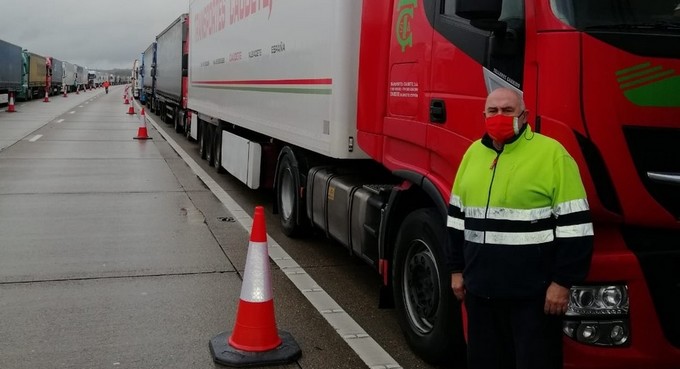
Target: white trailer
(69,76)
(81,77)
(260,71)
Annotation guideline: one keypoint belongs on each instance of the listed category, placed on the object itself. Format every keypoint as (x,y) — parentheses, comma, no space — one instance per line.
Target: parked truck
(10,70)
(69,76)
(135,79)
(81,77)
(168,98)
(149,76)
(34,76)
(56,76)
(357,113)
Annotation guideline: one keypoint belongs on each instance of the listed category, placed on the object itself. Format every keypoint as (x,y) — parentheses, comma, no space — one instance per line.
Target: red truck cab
(603,78)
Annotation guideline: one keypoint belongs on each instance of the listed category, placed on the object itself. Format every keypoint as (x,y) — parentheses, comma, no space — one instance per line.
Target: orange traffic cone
(131,110)
(143,114)
(47,97)
(10,107)
(255,340)
(64,90)
(127,102)
(142,133)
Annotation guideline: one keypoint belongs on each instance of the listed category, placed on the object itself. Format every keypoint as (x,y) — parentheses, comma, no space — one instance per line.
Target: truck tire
(187,128)
(178,120)
(210,144)
(427,310)
(217,144)
(287,200)
(163,113)
(202,142)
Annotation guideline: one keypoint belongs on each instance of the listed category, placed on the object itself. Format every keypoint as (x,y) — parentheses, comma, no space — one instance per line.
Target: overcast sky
(98,34)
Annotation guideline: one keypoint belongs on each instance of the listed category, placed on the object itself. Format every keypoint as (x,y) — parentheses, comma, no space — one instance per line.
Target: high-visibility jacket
(518,218)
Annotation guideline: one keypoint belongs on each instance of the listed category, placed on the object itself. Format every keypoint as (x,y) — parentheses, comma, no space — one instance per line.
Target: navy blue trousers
(512,334)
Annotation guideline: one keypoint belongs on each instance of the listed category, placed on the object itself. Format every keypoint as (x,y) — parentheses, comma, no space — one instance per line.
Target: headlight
(599,333)
(598,315)
(598,300)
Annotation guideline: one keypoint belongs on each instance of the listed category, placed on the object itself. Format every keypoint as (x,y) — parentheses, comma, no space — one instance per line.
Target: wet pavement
(113,254)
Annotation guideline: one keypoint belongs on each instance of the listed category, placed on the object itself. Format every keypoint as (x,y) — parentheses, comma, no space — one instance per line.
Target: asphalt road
(115,254)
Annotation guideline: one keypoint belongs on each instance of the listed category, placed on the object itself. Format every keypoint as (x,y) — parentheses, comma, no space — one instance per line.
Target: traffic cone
(64,90)
(10,107)
(142,114)
(255,340)
(127,102)
(142,133)
(47,97)
(131,110)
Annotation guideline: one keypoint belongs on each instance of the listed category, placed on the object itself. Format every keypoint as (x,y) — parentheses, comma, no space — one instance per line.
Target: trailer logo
(242,9)
(211,19)
(403,28)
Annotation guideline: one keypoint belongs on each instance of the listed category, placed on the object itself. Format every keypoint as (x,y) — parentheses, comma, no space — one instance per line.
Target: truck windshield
(620,15)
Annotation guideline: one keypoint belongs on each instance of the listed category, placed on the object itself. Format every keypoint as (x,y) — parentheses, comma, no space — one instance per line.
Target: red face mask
(503,127)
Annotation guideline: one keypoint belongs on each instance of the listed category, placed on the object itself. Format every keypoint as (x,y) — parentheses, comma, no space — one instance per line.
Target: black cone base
(287,352)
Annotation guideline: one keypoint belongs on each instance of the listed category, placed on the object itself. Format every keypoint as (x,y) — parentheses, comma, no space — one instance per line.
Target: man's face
(502,102)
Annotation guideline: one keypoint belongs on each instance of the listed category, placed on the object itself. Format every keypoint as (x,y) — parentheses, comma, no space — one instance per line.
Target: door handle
(437,111)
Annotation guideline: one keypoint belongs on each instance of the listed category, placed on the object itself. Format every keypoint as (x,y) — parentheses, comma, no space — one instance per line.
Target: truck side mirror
(479,9)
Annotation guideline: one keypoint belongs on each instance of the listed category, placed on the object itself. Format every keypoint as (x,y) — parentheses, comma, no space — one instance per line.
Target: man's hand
(458,286)
(556,299)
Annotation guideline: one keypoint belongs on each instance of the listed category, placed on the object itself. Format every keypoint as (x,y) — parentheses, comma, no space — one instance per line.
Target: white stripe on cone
(257,285)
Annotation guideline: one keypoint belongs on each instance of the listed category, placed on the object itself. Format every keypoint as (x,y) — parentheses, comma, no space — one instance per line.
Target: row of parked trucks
(28,75)
(356,114)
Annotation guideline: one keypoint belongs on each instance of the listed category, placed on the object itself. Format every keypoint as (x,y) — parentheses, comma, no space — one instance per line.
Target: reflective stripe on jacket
(519,218)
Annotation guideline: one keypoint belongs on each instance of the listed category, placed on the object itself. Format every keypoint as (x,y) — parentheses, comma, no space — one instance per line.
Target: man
(520,237)
(106,85)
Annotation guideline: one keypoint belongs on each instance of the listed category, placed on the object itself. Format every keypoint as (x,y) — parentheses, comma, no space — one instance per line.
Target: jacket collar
(511,143)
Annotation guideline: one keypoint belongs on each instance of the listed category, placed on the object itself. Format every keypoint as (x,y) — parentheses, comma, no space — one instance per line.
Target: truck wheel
(427,311)
(179,118)
(163,114)
(187,128)
(209,142)
(288,202)
(217,144)
(202,142)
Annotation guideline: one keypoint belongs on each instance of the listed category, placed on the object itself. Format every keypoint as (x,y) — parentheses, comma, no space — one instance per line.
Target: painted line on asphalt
(60,120)
(35,138)
(72,112)
(368,350)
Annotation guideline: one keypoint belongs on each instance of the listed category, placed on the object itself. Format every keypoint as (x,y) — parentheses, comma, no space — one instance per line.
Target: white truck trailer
(69,76)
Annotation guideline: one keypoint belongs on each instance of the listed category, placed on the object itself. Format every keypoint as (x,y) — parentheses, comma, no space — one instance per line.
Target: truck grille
(655,150)
(658,252)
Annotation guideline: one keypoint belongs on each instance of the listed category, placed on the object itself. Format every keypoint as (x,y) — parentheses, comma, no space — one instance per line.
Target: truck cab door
(405,121)
(478,45)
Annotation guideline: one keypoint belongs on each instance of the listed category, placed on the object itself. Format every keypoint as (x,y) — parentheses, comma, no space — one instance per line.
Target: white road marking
(72,112)
(60,120)
(373,355)
(35,138)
